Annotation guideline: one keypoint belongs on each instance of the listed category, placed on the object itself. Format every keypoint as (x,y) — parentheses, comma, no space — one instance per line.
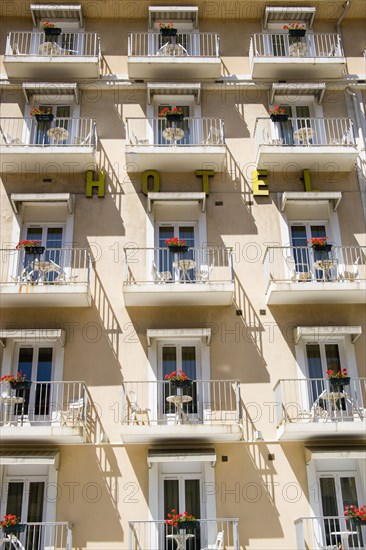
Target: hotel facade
(237,128)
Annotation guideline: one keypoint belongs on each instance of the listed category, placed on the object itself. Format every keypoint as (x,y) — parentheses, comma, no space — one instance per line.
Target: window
(320,358)
(50,236)
(62,114)
(305,256)
(166,260)
(300,117)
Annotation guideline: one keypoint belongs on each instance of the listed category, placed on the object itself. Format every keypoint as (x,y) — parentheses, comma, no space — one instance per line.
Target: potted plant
(51,31)
(40,115)
(17,382)
(338,379)
(11,525)
(168,29)
(182,521)
(172,115)
(320,244)
(176,245)
(356,516)
(278,114)
(295,29)
(178,379)
(31,247)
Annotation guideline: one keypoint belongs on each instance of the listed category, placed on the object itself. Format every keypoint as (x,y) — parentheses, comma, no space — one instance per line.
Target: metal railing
(305,132)
(51,403)
(283,45)
(66,266)
(60,132)
(329,532)
(204,402)
(41,535)
(161,266)
(303,264)
(318,399)
(159,132)
(202,44)
(36,44)
(155,535)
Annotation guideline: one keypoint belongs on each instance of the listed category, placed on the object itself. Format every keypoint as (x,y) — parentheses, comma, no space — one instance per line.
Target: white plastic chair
(349,272)
(74,414)
(161,276)
(204,272)
(294,274)
(219,543)
(214,137)
(135,410)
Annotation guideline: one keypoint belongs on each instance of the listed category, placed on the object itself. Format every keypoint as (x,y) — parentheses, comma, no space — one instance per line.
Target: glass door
(305,257)
(180,138)
(47,266)
(61,114)
(168,261)
(182,493)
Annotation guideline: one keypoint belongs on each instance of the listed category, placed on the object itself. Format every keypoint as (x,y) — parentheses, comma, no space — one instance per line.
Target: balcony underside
(297,67)
(175,159)
(57,435)
(62,67)
(287,293)
(217,433)
(28,158)
(316,157)
(27,295)
(173,67)
(207,294)
(296,431)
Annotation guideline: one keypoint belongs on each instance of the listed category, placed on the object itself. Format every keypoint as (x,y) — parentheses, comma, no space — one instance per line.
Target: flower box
(322,247)
(338,383)
(44,118)
(24,385)
(181,383)
(188,525)
(176,249)
(279,118)
(34,249)
(14,529)
(297,32)
(168,32)
(174,117)
(52,33)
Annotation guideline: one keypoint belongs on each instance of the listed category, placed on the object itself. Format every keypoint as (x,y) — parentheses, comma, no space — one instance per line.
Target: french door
(300,118)
(25,498)
(304,255)
(184,125)
(338,490)
(166,259)
(62,115)
(52,238)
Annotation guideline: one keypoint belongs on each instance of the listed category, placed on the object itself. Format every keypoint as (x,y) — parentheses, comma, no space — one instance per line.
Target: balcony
(313,409)
(187,55)
(323,144)
(198,277)
(154,143)
(280,56)
(156,411)
(328,532)
(66,145)
(155,535)
(72,55)
(60,277)
(47,412)
(302,275)
(47,535)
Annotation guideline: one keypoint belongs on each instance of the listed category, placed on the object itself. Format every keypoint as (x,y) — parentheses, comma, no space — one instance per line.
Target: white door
(51,236)
(299,118)
(165,259)
(62,114)
(304,255)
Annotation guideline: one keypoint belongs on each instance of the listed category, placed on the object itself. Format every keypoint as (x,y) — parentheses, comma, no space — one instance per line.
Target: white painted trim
(50,336)
(179,334)
(315,334)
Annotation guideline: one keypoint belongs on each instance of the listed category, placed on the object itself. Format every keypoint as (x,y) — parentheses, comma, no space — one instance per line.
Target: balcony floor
(175,159)
(320,157)
(26,295)
(273,67)
(217,433)
(207,294)
(173,67)
(55,434)
(286,293)
(301,431)
(28,158)
(69,67)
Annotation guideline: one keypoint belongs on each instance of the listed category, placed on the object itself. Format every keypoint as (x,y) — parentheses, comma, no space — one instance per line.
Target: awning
(303,15)
(298,90)
(14,457)
(355,452)
(172,333)
(171,199)
(59,12)
(173,13)
(174,88)
(322,333)
(180,455)
(33,335)
(309,198)
(43,198)
(50,89)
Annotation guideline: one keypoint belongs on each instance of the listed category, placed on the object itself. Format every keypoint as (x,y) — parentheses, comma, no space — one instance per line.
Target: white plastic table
(181,540)
(178,401)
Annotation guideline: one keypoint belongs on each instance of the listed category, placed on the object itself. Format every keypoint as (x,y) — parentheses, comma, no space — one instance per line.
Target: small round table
(304,135)
(173,134)
(181,540)
(178,401)
(58,134)
(10,401)
(184,266)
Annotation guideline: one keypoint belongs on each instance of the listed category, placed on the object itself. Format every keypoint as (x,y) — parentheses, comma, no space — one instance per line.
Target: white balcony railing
(329,532)
(66,266)
(35,44)
(302,264)
(190,132)
(60,132)
(38,536)
(305,132)
(44,403)
(282,45)
(155,535)
(316,400)
(160,265)
(203,44)
(206,402)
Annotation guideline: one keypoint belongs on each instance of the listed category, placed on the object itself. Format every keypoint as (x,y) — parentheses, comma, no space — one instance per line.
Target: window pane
(169,359)
(15,498)
(25,362)
(349,493)
(187,234)
(332,356)
(315,370)
(189,361)
(318,231)
(171,495)
(192,497)
(298,235)
(328,496)
(54,237)
(35,503)
(44,370)
(34,233)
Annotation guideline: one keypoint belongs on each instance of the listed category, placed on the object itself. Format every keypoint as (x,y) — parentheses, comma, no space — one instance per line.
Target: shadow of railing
(240,182)
(254,327)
